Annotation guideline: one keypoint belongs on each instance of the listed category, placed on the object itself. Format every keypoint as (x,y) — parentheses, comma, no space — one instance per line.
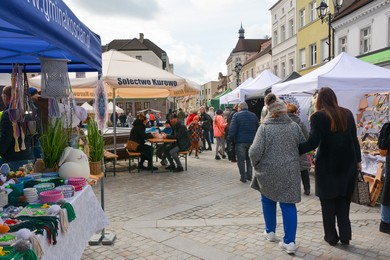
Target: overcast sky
(198,35)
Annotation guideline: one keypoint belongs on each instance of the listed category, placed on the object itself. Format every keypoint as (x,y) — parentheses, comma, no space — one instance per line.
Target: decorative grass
(95,141)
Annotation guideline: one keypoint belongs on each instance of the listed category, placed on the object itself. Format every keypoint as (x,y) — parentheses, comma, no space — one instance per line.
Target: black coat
(386,188)
(180,133)
(7,141)
(337,156)
(137,133)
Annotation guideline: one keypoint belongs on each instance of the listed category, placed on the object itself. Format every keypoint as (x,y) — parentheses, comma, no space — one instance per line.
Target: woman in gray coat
(275,157)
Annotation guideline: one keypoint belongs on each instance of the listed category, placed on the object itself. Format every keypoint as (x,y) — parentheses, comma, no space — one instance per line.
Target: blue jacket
(243,127)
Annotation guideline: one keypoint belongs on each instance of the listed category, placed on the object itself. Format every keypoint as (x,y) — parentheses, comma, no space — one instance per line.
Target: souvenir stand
(31,31)
(373,113)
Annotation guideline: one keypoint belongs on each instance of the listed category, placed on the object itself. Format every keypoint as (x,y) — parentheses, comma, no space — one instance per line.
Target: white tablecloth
(90,218)
(370,163)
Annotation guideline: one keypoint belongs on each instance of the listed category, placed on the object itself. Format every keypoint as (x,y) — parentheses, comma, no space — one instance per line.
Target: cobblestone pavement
(207,213)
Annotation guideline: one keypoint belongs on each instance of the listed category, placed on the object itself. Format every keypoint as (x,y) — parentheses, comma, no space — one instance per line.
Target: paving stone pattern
(207,213)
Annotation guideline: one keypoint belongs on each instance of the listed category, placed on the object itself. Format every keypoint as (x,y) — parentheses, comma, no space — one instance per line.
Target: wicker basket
(95,168)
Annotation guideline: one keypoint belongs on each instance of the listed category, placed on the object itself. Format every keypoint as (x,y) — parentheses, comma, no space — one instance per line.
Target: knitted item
(69,210)
(36,245)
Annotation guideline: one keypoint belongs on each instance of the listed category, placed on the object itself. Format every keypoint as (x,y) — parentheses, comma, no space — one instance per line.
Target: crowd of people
(271,153)
(276,148)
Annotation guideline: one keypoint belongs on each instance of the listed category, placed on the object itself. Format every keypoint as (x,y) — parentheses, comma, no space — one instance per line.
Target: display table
(90,219)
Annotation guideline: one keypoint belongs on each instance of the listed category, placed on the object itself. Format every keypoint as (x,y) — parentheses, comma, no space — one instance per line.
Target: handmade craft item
(101,105)
(73,163)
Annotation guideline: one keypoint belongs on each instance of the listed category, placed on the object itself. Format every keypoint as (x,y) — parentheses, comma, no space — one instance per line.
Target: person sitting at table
(183,143)
(138,135)
(160,152)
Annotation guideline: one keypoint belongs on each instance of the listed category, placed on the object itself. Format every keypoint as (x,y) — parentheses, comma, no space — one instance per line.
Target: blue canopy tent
(33,29)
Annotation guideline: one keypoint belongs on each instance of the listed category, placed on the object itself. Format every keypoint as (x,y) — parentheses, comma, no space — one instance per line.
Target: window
(129,107)
(302,58)
(252,73)
(275,37)
(275,16)
(343,44)
(313,54)
(291,3)
(80,75)
(138,57)
(291,28)
(282,33)
(138,107)
(283,70)
(313,11)
(324,50)
(388,31)
(365,40)
(291,64)
(146,105)
(282,10)
(302,18)
(276,70)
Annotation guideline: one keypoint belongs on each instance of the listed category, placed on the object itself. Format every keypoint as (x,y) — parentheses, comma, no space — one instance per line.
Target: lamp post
(325,15)
(237,69)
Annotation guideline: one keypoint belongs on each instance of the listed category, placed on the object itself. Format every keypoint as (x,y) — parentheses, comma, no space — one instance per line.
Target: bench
(132,156)
(184,154)
(107,157)
(121,140)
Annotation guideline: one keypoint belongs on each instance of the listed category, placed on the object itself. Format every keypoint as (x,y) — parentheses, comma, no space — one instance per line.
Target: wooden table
(155,141)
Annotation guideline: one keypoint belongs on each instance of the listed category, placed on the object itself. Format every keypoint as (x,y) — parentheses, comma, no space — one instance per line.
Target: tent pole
(115,118)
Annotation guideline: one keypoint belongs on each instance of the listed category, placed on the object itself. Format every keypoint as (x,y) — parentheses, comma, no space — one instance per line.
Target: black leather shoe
(384,227)
(306,192)
(243,180)
(249,178)
(178,169)
(217,158)
(332,242)
(169,167)
(223,156)
(344,242)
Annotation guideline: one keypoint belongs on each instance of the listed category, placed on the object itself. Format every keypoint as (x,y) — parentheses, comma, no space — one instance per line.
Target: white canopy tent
(88,107)
(349,77)
(110,108)
(229,97)
(261,83)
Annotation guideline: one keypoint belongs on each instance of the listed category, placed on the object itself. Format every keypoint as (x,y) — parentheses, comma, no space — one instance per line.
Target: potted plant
(96,147)
(53,142)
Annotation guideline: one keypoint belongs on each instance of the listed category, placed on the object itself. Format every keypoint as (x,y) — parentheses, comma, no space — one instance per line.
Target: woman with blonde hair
(333,131)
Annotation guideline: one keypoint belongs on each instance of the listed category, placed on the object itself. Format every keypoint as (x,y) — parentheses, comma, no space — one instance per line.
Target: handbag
(132,146)
(361,192)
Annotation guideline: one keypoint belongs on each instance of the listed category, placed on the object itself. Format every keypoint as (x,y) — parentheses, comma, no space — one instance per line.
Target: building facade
(284,37)
(244,50)
(362,29)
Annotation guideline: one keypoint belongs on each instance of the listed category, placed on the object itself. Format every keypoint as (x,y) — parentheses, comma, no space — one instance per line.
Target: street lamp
(325,15)
(237,69)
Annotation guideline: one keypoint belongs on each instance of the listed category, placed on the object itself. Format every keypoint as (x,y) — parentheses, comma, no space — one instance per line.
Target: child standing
(195,132)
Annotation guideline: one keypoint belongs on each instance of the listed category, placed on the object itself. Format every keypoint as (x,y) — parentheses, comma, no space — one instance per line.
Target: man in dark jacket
(183,143)
(230,147)
(242,131)
(9,154)
(207,124)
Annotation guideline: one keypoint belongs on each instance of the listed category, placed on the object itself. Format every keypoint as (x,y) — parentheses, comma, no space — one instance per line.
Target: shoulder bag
(132,146)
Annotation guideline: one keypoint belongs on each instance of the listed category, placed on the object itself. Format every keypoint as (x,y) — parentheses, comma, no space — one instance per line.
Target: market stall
(34,33)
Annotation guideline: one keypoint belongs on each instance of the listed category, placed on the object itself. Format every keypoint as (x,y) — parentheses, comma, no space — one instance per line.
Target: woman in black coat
(385,200)
(333,131)
(138,135)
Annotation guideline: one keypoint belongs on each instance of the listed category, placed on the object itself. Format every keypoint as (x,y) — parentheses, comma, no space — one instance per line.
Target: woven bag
(361,193)
(55,79)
